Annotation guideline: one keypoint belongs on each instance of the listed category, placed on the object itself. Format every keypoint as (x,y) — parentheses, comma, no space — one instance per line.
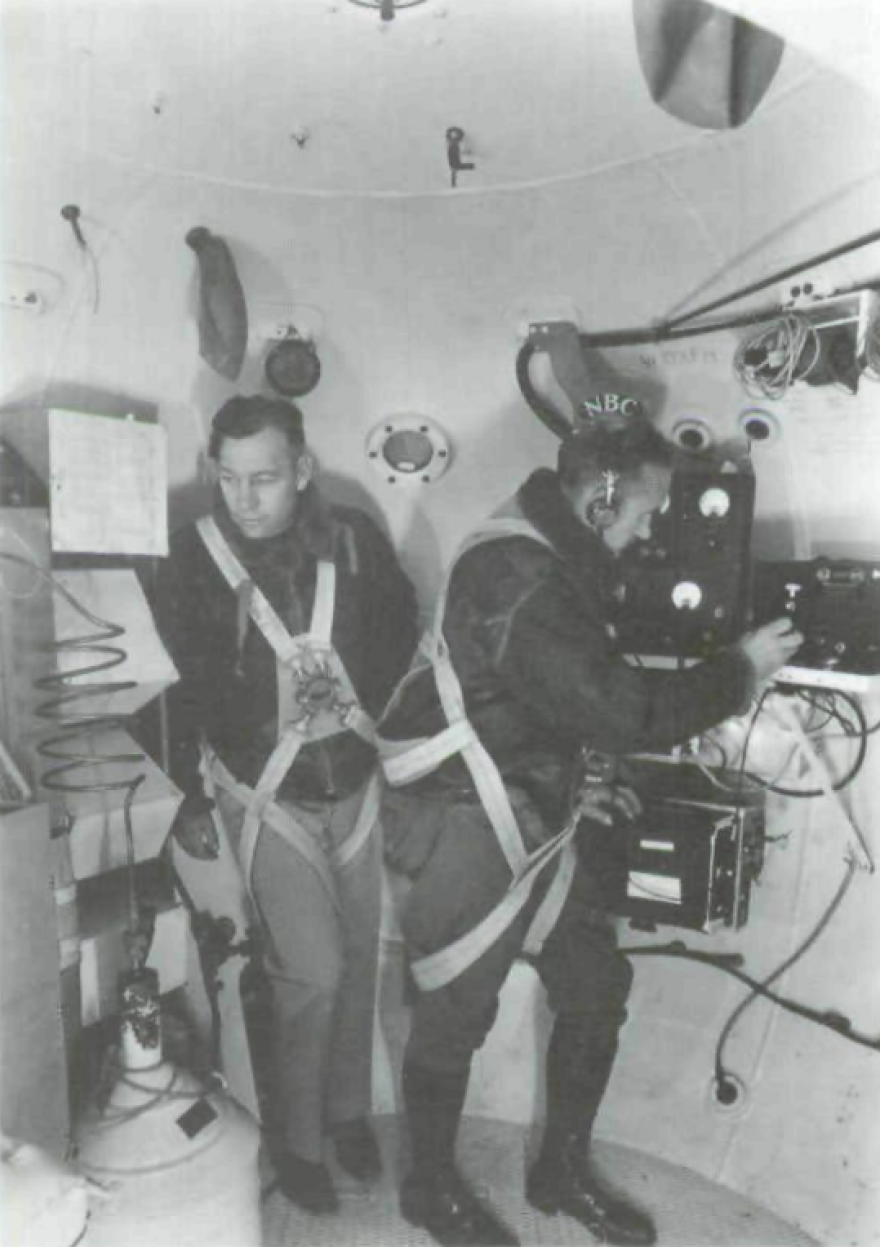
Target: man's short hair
(243,416)
(624,448)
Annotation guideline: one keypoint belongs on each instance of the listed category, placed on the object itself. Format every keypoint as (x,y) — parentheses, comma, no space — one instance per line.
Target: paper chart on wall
(109,483)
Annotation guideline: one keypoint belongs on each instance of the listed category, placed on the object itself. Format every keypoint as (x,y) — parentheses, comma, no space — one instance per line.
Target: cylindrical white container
(44,1203)
(178,1160)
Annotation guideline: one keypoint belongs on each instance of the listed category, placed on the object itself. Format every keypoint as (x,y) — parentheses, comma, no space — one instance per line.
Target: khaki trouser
(321,957)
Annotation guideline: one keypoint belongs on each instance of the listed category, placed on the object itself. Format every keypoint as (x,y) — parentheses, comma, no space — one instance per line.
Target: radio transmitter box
(688,861)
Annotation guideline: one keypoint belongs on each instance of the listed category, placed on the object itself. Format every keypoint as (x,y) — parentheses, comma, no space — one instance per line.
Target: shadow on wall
(23,421)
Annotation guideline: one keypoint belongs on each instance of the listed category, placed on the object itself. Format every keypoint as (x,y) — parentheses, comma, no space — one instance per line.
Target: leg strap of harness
(367,821)
(551,907)
(439,968)
(485,774)
(271,815)
(280,820)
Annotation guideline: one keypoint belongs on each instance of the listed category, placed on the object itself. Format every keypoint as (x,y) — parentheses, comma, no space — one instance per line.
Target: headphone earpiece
(601,511)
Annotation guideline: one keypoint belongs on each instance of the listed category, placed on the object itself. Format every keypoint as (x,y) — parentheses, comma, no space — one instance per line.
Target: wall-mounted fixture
(692,434)
(454,141)
(759,426)
(223,321)
(408,448)
(292,366)
(28,287)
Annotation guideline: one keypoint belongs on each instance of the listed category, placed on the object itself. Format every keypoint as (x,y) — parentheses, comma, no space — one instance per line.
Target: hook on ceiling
(387,8)
(454,141)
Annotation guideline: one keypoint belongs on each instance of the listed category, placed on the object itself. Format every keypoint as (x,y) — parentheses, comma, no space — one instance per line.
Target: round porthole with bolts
(692,434)
(759,426)
(408,449)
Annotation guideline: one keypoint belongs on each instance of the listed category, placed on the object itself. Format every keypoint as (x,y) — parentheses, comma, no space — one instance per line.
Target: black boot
(356,1149)
(306,1183)
(564,1183)
(579,1062)
(434,1195)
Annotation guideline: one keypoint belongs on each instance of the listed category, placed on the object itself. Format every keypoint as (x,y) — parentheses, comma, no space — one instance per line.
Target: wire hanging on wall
(770,361)
(73,725)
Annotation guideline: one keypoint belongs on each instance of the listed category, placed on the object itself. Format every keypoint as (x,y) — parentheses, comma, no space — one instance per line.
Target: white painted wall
(156,116)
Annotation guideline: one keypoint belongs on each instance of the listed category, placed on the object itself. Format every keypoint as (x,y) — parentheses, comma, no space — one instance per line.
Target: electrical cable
(75,724)
(855,244)
(682,327)
(854,768)
(728,963)
(770,361)
(554,421)
(720,1071)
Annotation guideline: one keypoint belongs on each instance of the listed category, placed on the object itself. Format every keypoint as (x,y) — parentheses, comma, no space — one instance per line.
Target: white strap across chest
(406,761)
(262,611)
(288,651)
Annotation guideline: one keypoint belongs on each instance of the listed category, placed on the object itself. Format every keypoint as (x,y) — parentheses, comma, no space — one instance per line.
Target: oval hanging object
(292,366)
(703,65)
(223,321)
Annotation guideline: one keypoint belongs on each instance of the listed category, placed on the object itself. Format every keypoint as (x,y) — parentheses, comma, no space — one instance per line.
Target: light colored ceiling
(222,90)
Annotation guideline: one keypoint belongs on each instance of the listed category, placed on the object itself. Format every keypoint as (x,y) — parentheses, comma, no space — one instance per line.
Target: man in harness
(290,622)
(483,745)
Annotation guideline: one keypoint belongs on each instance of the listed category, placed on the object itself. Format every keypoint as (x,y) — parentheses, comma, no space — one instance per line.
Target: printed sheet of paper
(109,483)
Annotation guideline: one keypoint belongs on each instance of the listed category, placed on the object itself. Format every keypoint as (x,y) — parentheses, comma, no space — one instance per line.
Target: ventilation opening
(759,426)
(692,435)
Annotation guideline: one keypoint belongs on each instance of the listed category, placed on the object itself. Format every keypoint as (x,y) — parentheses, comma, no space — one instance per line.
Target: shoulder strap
(262,612)
(321,629)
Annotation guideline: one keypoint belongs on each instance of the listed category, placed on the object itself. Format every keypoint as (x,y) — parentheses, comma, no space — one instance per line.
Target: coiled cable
(74,725)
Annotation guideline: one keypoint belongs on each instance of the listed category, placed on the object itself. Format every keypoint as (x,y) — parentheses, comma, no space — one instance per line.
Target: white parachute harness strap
(282,821)
(406,761)
(261,610)
(485,774)
(412,762)
(321,630)
(293,654)
(274,816)
(367,821)
(557,894)
(437,969)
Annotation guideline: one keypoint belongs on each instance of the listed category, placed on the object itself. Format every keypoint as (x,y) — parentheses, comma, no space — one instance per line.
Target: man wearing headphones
(484,747)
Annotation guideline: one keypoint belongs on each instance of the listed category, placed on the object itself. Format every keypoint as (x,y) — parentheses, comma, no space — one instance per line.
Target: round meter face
(687,596)
(714,503)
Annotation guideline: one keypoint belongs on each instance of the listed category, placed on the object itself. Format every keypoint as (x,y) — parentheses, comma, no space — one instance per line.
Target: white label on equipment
(649,887)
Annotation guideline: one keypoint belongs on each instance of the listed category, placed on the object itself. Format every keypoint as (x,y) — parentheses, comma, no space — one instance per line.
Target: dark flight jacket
(228,684)
(529,634)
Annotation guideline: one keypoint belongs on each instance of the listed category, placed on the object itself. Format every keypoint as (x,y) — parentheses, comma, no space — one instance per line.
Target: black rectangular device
(688,861)
(685,595)
(835,603)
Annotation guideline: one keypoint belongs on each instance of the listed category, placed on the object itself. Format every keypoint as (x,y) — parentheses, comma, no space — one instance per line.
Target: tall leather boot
(434,1195)
(578,1068)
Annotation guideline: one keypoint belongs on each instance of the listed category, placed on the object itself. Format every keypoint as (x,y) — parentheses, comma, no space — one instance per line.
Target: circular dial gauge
(687,596)
(714,503)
